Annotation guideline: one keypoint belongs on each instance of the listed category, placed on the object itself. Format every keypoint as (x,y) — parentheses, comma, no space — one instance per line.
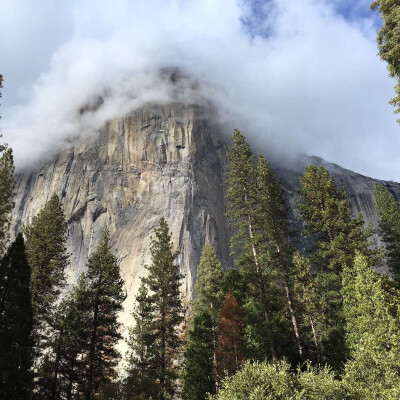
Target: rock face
(157,161)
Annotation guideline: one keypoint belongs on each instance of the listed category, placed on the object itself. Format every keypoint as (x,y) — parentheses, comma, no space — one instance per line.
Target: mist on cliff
(294,76)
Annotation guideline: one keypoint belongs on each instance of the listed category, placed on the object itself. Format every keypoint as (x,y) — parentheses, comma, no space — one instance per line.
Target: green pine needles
(158,317)
(389,227)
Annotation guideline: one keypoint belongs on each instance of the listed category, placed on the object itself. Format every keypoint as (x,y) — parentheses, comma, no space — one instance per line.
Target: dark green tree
(6,186)
(326,215)
(15,324)
(104,299)
(389,227)
(209,300)
(46,250)
(308,303)
(6,191)
(199,370)
(272,214)
(372,311)
(209,277)
(246,243)
(337,238)
(62,369)
(236,283)
(163,283)
(140,383)
(388,40)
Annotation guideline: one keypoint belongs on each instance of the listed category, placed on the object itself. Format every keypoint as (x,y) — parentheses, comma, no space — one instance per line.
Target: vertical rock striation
(157,161)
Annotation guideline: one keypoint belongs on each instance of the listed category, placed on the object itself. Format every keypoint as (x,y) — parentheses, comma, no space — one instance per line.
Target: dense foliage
(389,226)
(15,323)
(388,40)
(157,329)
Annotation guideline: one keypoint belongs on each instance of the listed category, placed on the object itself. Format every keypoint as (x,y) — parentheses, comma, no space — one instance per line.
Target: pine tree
(389,227)
(242,199)
(163,283)
(326,216)
(209,277)
(140,383)
(199,369)
(47,255)
(276,248)
(209,300)
(372,310)
(62,368)
(388,40)
(230,339)
(309,303)
(15,324)
(6,186)
(104,300)
(75,327)
(6,191)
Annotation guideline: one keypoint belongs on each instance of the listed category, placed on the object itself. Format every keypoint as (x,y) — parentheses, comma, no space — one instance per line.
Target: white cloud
(314,85)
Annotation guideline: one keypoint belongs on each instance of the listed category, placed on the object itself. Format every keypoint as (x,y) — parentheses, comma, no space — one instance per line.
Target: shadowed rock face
(158,161)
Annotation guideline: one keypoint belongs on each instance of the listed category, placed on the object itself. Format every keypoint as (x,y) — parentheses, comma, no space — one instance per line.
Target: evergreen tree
(389,227)
(140,383)
(372,310)
(308,302)
(15,324)
(199,370)
(163,283)
(62,369)
(46,238)
(276,248)
(326,217)
(235,283)
(388,40)
(209,277)
(6,191)
(230,339)
(209,300)
(104,299)
(6,186)
(246,243)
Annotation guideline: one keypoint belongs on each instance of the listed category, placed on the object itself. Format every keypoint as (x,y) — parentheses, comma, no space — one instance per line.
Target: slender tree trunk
(69,390)
(315,337)
(294,320)
(92,350)
(163,349)
(215,361)
(263,291)
(56,365)
(290,303)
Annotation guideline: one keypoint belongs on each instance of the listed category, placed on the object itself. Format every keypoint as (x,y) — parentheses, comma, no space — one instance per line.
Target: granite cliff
(161,160)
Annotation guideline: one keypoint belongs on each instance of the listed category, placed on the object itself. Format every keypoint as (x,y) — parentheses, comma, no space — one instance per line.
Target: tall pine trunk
(92,350)
(263,291)
(56,366)
(294,320)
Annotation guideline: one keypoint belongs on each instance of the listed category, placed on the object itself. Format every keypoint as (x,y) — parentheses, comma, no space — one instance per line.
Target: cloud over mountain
(295,77)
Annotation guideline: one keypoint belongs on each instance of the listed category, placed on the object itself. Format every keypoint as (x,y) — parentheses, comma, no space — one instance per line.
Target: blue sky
(296,76)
